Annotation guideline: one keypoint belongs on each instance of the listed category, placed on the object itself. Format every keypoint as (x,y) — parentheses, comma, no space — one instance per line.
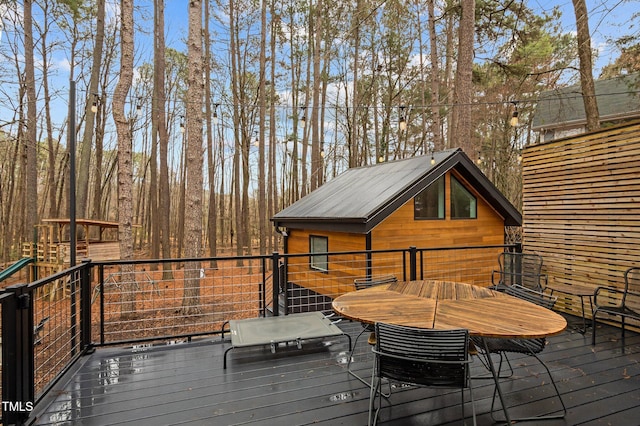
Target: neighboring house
(442,200)
(560,113)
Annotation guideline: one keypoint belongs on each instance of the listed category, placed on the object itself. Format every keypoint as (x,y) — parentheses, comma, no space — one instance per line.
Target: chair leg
(495,391)
(373,393)
(351,372)
(484,363)
(473,405)
(533,418)
(353,348)
(593,327)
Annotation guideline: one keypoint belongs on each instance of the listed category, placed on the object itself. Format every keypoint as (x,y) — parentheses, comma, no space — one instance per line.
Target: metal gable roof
(360,198)
(618,98)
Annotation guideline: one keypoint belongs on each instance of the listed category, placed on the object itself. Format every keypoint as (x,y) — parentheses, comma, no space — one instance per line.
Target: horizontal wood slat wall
(581,207)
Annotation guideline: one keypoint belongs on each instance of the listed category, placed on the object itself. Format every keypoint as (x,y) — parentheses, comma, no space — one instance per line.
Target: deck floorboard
(186,384)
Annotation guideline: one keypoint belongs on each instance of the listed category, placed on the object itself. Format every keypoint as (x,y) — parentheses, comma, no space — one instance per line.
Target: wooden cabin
(439,200)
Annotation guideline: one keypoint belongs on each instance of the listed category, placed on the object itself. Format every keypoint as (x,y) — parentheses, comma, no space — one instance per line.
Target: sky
(607,19)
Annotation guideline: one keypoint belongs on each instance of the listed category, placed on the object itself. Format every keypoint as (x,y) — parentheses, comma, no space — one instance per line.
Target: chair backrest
(421,356)
(632,287)
(532,296)
(362,283)
(528,345)
(524,269)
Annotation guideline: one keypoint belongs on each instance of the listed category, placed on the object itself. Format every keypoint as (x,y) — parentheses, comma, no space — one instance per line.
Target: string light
(403,120)
(182,129)
(479,160)
(303,120)
(514,117)
(94,104)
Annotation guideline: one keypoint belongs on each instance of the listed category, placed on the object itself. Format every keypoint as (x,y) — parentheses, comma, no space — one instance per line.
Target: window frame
(442,200)
(318,262)
(455,181)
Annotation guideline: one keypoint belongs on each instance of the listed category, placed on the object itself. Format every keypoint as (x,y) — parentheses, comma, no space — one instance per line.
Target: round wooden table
(447,305)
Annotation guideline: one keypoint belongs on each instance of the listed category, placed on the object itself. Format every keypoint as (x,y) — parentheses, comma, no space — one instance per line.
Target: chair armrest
(493,277)
(544,281)
(606,292)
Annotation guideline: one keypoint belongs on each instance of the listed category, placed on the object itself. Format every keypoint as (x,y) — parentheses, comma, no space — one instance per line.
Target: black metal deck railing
(48,324)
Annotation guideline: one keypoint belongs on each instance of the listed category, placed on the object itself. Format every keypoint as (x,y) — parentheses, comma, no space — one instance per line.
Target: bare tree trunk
(221,203)
(154,194)
(317,26)
(125,167)
(262,203)
(193,207)
(239,138)
(182,198)
(52,148)
(31,182)
(304,175)
(272,190)
(460,128)
(164,199)
(212,216)
(586,66)
(353,137)
(85,148)
(96,209)
(436,119)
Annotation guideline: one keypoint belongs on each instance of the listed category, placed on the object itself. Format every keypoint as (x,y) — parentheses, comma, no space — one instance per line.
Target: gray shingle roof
(360,198)
(618,98)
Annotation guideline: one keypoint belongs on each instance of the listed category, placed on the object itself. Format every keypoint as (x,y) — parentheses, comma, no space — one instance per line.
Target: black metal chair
(524,269)
(361,284)
(533,347)
(624,303)
(420,357)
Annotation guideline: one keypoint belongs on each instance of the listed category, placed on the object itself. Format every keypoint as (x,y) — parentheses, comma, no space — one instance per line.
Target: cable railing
(48,324)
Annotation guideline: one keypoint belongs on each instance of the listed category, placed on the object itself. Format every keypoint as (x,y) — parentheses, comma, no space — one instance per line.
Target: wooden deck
(186,384)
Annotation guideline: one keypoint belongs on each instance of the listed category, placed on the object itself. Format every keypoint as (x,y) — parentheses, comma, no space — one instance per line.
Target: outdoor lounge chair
(420,357)
(624,303)
(524,269)
(525,346)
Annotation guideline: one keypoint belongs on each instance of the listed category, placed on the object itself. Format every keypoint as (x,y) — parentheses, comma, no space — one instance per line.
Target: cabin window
(429,204)
(318,244)
(463,202)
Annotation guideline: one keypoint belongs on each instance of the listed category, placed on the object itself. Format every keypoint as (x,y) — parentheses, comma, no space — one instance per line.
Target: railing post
(100,285)
(275,258)
(17,356)
(413,263)
(85,305)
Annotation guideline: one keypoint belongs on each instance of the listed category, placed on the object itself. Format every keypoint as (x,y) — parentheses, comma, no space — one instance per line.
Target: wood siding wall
(342,268)
(400,230)
(581,206)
